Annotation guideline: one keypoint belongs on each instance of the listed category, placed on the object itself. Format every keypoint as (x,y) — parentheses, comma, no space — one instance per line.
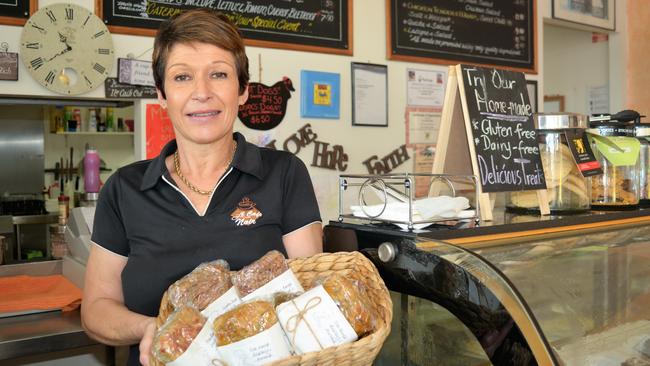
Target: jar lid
(611,128)
(642,130)
(559,121)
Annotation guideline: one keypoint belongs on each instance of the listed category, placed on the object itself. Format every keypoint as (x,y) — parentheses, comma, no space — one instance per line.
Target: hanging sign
(114,89)
(135,72)
(266,105)
(8,66)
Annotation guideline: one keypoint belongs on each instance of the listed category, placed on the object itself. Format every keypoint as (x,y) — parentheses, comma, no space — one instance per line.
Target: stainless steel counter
(41,333)
(26,335)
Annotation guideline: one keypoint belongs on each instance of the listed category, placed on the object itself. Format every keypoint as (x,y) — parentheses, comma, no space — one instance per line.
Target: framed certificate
(369,95)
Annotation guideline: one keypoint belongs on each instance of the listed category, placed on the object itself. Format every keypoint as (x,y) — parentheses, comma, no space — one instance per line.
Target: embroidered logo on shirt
(245,214)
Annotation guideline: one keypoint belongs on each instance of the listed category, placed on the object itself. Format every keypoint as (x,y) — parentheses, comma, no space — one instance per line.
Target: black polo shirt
(142,215)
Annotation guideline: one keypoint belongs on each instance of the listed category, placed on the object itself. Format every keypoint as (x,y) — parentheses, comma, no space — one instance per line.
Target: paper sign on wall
(159,130)
(135,72)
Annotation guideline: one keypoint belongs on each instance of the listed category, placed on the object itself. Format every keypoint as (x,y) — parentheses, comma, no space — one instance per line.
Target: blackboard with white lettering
(115,90)
(482,32)
(16,12)
(503,134)
(321,26)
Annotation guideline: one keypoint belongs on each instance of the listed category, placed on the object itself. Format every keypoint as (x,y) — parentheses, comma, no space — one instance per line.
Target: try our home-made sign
(487,130)
(320,26)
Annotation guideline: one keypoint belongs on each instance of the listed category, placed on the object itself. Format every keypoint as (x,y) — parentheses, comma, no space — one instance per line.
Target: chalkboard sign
(504,137)
(115,90)
(492,33)
(320,26)
(16,12)
(266,105)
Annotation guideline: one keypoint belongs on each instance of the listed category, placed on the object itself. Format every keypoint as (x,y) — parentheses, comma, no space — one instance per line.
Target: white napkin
(441,207)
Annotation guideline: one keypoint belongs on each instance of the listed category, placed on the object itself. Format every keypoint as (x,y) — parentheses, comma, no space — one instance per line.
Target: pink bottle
(91,171)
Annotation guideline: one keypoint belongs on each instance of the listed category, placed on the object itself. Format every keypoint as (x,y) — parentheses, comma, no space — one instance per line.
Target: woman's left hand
(147,340)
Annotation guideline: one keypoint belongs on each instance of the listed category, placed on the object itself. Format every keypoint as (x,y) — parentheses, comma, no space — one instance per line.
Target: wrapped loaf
(201,287)
(244,321)
(351,298)
(176,335)
(260,272)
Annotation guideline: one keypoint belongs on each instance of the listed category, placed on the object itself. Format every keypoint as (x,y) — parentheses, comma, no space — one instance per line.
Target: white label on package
(286,282)
(262,348)
(322,325)
(225,302)
(202,350)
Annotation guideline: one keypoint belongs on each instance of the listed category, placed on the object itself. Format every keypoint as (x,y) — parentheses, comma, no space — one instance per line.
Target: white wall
(359,142)
(573,64)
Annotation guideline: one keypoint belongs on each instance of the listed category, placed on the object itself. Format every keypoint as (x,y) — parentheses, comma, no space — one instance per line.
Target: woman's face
(202,92)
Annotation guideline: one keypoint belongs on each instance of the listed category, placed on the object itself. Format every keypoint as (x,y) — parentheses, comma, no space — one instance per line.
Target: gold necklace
(177,167)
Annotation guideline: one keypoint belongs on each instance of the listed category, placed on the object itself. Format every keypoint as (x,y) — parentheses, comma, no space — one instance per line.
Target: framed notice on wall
(369,95)
(488,33)
(596,14)
(16,12)
(317,26)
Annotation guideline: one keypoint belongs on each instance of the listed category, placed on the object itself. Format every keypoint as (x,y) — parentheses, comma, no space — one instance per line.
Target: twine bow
(294,321)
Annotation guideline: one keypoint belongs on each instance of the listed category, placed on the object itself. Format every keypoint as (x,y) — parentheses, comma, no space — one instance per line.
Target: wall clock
(67,49)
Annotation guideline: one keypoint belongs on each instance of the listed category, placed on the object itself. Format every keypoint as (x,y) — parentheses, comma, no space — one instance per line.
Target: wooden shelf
(88,133)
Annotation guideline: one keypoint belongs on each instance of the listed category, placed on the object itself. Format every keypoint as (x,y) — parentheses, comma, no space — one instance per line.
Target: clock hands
(63,39)
(67,49)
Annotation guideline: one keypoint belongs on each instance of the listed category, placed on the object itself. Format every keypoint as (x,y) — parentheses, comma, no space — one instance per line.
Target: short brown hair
(199,25)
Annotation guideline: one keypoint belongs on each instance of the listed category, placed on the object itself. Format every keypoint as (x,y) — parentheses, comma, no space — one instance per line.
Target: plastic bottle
(101,124)
(92,121)
(110,117)
(91,171)
(67,116)
(76,115)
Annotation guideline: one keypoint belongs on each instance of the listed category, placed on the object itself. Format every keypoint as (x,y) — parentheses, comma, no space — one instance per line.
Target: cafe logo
(245,214)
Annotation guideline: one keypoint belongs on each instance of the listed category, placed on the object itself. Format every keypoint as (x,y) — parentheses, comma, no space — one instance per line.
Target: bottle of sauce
(101,123)
(110,120)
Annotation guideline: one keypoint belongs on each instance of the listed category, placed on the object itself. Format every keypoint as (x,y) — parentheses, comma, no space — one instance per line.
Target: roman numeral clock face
(67,49)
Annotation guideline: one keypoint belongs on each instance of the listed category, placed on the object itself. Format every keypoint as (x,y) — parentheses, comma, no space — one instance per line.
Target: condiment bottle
(92,121)
(110,120)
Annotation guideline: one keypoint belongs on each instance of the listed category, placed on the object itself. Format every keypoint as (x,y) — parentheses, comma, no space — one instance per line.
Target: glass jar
(642,133)
(58,244)
(567,189)
(617,151)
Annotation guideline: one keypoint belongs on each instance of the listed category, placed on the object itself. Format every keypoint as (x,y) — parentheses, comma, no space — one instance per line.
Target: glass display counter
(579,296)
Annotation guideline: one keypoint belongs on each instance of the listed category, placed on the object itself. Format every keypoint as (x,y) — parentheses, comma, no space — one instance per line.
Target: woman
(209,194)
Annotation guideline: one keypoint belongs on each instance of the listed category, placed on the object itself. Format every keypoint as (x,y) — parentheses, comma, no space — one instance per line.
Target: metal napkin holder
(401,188)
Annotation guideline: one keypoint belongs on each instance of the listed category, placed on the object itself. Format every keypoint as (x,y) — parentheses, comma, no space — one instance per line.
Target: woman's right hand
(146,342)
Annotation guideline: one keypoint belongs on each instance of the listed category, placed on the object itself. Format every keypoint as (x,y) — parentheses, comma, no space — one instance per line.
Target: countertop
(24,335)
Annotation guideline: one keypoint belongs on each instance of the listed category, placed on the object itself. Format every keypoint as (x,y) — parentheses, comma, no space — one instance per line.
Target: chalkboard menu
(504,136)
(485,32)
(321,26)
(16,12)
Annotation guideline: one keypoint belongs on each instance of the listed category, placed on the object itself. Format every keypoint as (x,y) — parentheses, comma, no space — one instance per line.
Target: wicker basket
(352,265)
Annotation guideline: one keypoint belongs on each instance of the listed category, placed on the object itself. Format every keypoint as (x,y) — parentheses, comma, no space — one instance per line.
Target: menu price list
(488,32)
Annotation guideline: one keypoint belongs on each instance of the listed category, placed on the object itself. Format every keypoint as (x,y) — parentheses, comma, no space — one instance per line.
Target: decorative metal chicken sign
(266,105)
